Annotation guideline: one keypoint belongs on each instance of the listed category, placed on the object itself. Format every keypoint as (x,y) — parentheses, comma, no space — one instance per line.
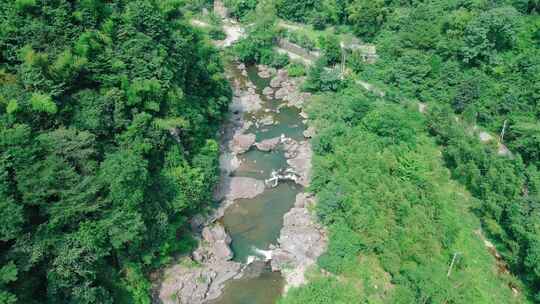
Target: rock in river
(202,278)
(268,144)
(242,142)
(302,240)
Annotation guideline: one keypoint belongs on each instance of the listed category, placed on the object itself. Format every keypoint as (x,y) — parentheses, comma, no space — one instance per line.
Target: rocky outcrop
(265,71)
(268,144)
(242,142)
(277,81)
(302,240)
(268,92)
(309,132)
(288,89)
(201,278)
(232,188)
(299,156)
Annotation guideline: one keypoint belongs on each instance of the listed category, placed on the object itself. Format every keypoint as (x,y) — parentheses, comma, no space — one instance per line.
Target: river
(254,224)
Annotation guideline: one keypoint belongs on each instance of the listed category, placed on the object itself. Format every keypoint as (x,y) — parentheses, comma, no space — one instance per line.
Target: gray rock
(202,278)
(282,76)
(302,240)
(309,132)
(281,93)
(299,158)
(196,284)
(243,187)
(242,142)
(268,91)
(268,144)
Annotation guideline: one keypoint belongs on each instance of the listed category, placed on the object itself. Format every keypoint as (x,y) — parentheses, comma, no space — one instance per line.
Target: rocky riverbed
(255,111)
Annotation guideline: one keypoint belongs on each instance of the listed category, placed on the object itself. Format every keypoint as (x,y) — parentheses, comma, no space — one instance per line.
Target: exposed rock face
(268,91)
(228,162)
(309,132)
(202,278)
(281,93)
(282,76)
(301,242)
(299,156)
(242,142)
(242,187)
(264,71)
(268,144)
(218,248)
(288,89)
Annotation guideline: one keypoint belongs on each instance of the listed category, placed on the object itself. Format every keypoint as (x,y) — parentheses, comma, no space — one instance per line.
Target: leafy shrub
(217,33)
(320,78)
(296,69)
(331,49)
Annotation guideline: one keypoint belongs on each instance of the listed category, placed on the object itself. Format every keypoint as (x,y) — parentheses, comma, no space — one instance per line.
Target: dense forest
(108,114)
(108,120)
(474,64)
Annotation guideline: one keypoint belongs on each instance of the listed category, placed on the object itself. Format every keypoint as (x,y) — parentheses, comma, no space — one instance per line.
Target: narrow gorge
(263,236)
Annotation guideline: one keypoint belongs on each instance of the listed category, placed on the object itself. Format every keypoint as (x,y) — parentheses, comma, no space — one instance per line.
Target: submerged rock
(267,120)
(228,162)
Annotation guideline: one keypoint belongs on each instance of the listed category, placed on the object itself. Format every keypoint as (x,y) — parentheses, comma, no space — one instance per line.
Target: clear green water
(256,223)
(259,165)
(264,289)
(289,123)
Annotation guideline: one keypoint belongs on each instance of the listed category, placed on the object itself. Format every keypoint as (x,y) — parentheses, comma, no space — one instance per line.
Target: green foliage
(301,39)
(217,34)
(108,110)
(493,30)
(239,9)
(43,103)
(367,17)
(296,70)
(296,10)
(24,5)
(322,291)
(476,59)
(321,78)
(394,215)
(257,46)
(331,50)
(508,217)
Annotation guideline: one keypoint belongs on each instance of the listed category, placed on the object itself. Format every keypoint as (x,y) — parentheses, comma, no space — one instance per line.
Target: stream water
(254,224)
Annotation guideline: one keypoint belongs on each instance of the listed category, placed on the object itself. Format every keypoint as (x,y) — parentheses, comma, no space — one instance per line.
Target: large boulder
(268,144)
(202,278)
(299,156)
(188,282)
(302,240)
(243,187)
(282,76)
(242,142)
